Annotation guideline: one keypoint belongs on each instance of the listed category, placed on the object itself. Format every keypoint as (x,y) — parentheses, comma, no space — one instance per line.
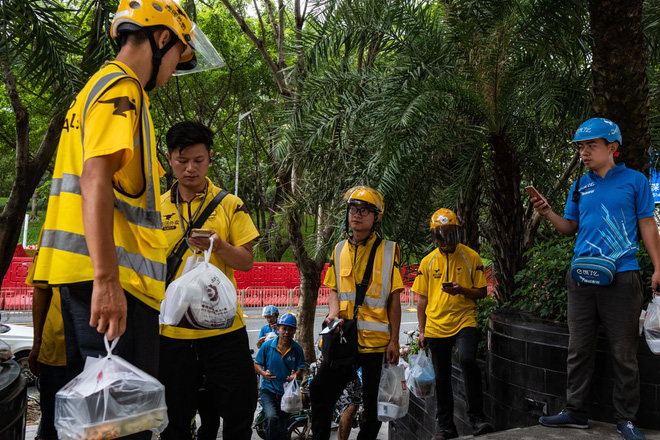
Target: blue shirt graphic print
(607,214)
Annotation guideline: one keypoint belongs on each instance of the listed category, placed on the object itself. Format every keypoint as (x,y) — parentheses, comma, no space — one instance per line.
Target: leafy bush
(541,287)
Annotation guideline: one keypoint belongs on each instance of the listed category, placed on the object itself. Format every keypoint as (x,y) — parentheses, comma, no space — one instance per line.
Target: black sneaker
(563,420)
(481,426)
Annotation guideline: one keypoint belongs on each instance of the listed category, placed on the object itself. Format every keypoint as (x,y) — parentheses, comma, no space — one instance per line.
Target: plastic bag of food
(393,394)
(111,398)
(203,298)
(422,376)
(652,325)
(292,399)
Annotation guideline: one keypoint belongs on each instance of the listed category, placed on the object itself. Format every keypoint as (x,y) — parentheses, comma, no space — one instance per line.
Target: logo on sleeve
(122,105)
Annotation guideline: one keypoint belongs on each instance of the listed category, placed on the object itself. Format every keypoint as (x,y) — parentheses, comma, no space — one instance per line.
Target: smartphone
(333,325)
(533,192)
(449,285)
(201,233)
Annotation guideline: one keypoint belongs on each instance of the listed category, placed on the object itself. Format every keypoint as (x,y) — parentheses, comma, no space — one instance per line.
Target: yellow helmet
(444,217)
(133,15)
(445,229)
(364,195)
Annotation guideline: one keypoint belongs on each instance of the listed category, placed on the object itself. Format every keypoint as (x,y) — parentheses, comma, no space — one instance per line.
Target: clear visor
(204,57)
(447,235)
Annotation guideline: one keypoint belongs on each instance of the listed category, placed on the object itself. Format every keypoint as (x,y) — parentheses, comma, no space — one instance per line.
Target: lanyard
(188,224)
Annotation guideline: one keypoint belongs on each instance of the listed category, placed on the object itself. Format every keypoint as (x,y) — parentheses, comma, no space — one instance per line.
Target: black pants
(138,345)
(466,341)
(616,308)
(225,362)
(329,383)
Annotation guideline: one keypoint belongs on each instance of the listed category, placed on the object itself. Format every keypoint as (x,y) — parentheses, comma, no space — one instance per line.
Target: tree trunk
(507,226)
(620,89)
(468,208)
(310,281)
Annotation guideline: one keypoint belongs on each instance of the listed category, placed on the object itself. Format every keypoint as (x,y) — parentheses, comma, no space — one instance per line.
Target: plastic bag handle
(209,251)
(109,347)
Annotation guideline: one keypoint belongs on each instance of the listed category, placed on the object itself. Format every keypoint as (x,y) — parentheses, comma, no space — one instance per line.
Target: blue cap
(596,128)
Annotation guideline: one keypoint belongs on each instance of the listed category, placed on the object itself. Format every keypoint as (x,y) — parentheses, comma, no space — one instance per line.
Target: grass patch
(34,227)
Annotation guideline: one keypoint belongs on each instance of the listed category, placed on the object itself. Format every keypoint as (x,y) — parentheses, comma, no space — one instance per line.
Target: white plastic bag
(652,325)
(393,394)
(203,298)
(111,398)
(292,399)
(422,376)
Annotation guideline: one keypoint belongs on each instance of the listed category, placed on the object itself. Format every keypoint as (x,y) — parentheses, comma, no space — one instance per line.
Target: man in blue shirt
(279,360)
(608,208)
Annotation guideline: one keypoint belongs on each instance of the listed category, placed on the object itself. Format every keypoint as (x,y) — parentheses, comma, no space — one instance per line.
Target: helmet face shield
(446,236)
(199,54)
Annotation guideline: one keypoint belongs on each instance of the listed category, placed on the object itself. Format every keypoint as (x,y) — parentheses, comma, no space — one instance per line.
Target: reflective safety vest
(139,240)
(373,322)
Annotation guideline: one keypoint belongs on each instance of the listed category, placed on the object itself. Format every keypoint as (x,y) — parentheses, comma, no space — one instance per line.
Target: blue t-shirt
(607,215)
(281,366)
(265,330)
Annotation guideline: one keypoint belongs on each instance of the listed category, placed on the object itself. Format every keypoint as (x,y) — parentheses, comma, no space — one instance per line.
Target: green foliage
(540,286)
(485,307)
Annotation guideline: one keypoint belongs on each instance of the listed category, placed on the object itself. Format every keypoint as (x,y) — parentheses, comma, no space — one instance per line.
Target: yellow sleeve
(241,229)
(331,275)
(396,283)
(479,278)
(421,283)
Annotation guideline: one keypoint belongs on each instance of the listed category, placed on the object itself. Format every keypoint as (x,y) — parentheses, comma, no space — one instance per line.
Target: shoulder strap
(361,289)
(175,258)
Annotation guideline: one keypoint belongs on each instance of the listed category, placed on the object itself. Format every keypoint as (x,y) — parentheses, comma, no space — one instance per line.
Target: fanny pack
(598,271)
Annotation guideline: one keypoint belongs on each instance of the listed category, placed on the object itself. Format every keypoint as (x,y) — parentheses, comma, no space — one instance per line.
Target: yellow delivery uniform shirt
(110,115)
(447,314)
(230,220)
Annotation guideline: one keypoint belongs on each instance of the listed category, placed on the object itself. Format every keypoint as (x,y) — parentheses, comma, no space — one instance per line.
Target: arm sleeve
(241,228)
(644,205)
(260,358)
(330,275)
(421,283)
(479,278)
(572,210)
(396,282)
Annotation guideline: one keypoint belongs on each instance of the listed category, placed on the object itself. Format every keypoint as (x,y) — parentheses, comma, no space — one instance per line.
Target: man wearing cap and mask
(449,281)
(102,242)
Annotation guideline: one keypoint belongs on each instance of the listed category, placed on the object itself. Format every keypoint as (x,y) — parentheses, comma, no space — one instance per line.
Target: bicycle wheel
(300,430)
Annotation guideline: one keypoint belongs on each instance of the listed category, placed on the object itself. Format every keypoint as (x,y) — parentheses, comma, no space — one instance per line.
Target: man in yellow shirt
(378,318)
(449,281)
(190,357)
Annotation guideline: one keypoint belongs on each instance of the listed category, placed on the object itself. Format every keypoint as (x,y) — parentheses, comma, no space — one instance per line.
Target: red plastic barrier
(16,298)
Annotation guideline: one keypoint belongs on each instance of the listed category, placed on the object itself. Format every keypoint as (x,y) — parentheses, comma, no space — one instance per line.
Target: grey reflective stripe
(68,183)
(338,249)
(138,216)
(347,296)
(375,303)
(75,243)
(466,262)
(373,326)
(386,273)
(101,84)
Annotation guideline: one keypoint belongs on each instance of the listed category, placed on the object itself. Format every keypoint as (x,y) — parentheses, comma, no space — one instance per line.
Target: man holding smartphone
(608,209)
(449,281)
(192,358)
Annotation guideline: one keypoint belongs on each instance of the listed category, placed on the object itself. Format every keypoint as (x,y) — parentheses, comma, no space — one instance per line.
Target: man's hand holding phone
(539,202)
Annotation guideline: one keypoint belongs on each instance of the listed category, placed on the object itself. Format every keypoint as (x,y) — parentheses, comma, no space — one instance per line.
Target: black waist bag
(340,349)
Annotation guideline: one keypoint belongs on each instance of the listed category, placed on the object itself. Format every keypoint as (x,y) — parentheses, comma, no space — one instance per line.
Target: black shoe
(445,434)
(481,426)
